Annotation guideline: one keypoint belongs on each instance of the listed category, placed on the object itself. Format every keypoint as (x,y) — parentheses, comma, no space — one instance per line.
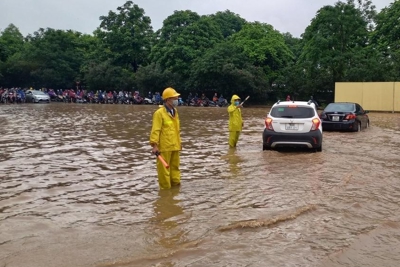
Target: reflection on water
(166,208)
(78,187)
(234,161)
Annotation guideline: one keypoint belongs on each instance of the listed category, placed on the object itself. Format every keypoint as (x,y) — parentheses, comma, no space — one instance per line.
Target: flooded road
(78,187)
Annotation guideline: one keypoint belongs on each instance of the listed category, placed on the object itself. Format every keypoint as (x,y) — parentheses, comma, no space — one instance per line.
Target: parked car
(36,96)
(344,116)
(293,124)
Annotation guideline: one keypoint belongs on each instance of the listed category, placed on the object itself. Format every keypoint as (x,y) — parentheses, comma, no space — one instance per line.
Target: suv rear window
(297,112)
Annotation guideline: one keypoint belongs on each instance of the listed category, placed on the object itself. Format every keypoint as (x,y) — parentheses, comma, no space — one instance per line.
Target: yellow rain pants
(235,122)
(165,133)
(233,138)
(172,176)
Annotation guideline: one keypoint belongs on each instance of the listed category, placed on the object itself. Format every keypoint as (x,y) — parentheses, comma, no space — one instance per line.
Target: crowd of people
(12,95)
(203,101)
(18,95)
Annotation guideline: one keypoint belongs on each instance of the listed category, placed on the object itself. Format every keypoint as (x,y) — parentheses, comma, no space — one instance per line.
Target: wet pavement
(78,187)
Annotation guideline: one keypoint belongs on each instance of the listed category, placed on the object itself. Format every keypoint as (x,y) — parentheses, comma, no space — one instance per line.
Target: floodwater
(78,187)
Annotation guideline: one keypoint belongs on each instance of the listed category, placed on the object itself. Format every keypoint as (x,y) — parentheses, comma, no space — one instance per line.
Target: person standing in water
(235,121)
(165,139)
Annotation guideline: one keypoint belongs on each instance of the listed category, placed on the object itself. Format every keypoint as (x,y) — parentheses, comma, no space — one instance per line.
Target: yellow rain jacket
(235,116)
(165,132)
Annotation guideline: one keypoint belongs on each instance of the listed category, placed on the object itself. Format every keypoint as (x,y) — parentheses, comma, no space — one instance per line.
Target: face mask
(175,103)
(236,103)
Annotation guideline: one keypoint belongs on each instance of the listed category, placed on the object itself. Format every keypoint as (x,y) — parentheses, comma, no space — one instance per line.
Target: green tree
(367,9)
(184,37)
(228,22)
(174,24)
(294,44)
(95,53)
(265,47)
(291,80)
(17,71)
(227,69)
(55,57)
(333,44)
(369,66)
(127,35)
(105,76)
(386,40)
(152,78)
(11,42)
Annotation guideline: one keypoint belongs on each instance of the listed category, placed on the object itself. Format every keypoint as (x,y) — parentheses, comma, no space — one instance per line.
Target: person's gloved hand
(155,150)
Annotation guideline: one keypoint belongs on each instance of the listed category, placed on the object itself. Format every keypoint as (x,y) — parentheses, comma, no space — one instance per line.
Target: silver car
(36,96)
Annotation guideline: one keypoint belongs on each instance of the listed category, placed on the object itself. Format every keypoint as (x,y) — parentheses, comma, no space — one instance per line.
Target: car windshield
(341,107)
(297,112)
(38,93)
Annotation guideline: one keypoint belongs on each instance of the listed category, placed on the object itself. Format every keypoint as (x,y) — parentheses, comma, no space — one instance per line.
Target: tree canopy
(221,52)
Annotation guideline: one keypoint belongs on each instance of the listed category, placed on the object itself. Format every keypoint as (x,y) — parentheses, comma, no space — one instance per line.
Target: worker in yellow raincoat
(235,120)
(165,139)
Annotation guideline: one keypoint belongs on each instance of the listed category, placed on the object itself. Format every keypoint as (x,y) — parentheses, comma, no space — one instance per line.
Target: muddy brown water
(78,188)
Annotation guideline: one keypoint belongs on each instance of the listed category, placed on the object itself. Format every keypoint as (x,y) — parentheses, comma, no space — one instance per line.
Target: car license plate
(292,126)
(335,118)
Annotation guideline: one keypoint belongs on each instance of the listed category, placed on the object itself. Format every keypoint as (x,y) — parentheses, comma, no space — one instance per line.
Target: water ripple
(84,174)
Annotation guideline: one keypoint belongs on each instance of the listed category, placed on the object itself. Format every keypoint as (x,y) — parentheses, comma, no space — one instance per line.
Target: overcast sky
(83,15)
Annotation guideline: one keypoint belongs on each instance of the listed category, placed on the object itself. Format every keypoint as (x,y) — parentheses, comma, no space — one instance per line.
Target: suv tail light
(268,124)
(350,117)
(315,124)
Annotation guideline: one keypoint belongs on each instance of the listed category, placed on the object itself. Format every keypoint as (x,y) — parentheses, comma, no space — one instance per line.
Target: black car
(344,116)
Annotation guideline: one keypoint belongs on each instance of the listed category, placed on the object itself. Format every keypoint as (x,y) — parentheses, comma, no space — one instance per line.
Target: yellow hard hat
(169,92)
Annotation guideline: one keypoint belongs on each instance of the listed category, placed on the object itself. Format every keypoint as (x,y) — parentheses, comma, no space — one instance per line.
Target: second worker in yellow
(235,121)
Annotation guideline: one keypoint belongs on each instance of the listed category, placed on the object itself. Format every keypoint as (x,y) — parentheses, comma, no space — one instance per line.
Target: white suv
(293,124)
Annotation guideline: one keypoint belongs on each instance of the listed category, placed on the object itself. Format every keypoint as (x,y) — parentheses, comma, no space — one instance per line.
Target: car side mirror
(366,111)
